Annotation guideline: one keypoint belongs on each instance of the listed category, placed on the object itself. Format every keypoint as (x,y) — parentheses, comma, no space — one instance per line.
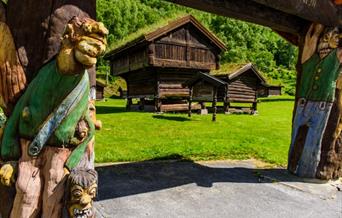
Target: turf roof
(136,36)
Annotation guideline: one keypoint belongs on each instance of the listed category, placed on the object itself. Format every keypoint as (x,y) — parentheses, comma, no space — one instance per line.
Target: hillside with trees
(246,42)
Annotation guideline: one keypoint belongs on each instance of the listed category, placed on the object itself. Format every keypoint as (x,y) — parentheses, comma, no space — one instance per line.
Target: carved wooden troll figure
(321,62)
(49,132)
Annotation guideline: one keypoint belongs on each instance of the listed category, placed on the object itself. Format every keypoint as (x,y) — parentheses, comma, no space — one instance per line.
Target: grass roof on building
(230,68)
(137,35)
(227,69)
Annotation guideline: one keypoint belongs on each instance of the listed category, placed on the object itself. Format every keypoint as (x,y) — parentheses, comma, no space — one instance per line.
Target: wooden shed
(204,88)
(100,90)
(269,90)
(156,64)
(243,83)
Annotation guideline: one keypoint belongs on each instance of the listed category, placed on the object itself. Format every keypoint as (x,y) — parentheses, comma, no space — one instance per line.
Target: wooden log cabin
(243,83)
(204,88)
(100,86)
(269,90)
(156,64)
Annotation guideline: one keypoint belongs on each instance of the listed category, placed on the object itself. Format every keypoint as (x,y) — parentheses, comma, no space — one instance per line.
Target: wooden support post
(157,105)
(129,104)
(255,107)
(214,104)
(190,101)
(226,107)
(142,104)
(226,101)
(202,105)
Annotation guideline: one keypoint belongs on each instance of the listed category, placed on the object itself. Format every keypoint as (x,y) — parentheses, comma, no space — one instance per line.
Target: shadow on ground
(276,100)
(172,118)
(110,110)
(142,177)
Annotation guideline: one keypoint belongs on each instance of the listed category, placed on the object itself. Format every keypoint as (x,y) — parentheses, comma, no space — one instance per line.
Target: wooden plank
(238,88)
(250,11)
(183,94)
(184,64)
(242,92)
(179,107)
(241,96)
(170,86)
(321,11)
(140,96)
(175,90)
(237,100)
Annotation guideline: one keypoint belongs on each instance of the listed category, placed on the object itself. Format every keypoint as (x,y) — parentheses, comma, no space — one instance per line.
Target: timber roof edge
(205,77)
(101,83)
(154,34)
(236,72)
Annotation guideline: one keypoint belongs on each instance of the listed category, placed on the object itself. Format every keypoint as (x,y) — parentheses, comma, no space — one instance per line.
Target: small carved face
(82,191)
(328,42)
(81,201)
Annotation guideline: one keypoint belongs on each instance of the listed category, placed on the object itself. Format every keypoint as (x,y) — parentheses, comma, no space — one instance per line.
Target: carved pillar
(322,156)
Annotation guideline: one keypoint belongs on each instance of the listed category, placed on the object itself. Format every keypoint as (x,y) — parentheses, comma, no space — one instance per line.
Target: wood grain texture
(2,12)
(12,76)
(331,153)
(250,11)
(37,38)
(324,12)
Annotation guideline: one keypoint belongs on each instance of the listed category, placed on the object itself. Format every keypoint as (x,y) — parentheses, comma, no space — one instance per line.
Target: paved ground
(212,189)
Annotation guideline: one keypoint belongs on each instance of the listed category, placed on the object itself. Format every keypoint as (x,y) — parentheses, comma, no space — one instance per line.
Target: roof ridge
(171,25)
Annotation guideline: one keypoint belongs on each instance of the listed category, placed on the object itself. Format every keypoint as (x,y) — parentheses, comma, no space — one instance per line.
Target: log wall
(186,48)
(170,84)
(203,92)
(131,61)
(243,88)
(141,84)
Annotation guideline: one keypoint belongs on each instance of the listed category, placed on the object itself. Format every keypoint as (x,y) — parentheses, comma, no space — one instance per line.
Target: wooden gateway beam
(251,11)
(320,11)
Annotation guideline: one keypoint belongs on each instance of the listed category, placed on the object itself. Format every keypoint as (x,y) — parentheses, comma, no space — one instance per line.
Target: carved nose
(86,199)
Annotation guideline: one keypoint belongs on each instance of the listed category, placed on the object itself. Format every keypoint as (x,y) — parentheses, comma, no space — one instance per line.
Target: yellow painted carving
(83,41)
(7,174)
(81,200)
(11,71)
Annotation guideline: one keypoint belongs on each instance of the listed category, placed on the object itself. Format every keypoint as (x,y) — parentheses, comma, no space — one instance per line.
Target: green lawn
(137,136)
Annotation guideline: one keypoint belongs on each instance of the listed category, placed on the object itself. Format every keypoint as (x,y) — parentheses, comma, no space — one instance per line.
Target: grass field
(137,136)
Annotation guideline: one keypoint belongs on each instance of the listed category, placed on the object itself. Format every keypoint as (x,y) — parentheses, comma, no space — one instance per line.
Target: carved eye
(77,193)
(92,192)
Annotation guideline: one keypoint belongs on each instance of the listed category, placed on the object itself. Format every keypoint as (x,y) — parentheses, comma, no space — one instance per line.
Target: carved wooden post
(314,150)
(46,50)
(313,153)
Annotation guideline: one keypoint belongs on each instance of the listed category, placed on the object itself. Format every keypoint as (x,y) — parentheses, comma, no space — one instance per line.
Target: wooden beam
(321,11)
(250,11)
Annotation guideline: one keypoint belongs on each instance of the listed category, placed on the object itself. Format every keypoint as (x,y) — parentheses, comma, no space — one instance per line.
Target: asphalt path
(212,189)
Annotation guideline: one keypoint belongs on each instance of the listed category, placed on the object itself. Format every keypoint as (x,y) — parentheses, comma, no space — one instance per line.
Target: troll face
(84,40)
(328,41)
(82,189)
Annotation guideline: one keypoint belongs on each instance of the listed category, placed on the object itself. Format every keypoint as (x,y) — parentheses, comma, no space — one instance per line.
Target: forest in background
(271,54)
